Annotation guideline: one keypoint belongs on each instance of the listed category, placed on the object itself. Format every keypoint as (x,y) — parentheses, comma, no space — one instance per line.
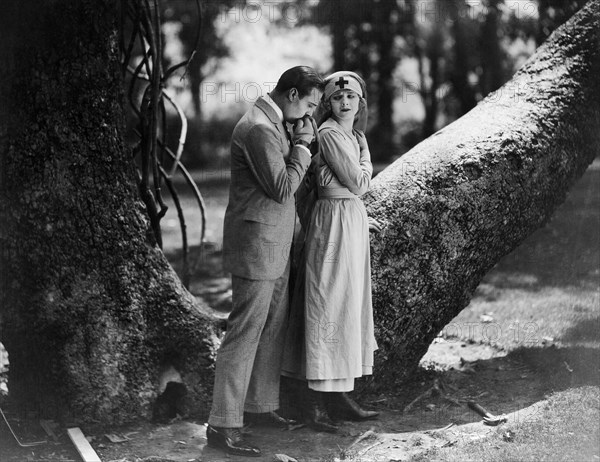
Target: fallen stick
(437,389)
(364,451)
(370,432)
(23,445)
(451,424)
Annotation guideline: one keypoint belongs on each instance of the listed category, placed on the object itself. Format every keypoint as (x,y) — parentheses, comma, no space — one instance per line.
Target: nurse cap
(341,81)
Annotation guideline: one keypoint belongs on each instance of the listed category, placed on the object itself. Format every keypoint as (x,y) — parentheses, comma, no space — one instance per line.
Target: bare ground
(428,413)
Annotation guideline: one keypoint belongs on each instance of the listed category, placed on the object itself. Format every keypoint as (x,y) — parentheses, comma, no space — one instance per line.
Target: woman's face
(344,104)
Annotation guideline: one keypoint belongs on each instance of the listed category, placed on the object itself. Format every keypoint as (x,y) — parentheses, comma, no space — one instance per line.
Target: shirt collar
(276,108)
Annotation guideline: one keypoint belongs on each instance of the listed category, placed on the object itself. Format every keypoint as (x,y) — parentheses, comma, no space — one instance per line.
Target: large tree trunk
(462,199)
(90,309)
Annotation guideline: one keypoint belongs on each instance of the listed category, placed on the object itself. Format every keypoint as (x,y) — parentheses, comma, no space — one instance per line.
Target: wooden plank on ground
(83,446)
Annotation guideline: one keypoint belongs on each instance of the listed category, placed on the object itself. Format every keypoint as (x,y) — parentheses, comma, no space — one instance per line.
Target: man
(267,166)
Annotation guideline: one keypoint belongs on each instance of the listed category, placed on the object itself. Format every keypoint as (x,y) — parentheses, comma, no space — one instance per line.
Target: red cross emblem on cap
(342,83)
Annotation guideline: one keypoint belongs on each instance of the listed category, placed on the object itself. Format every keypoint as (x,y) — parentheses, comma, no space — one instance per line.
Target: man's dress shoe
(231,441)
(267,419)
(344,407)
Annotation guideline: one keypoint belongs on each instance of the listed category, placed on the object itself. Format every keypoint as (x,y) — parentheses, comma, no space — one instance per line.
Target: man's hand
(304,130)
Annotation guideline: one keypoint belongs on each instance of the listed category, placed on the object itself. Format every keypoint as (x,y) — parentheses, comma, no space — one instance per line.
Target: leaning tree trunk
(462,199)
(89,307)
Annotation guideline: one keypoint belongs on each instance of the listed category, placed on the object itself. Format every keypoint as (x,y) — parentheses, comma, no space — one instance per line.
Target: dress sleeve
(353,174)
(278,178)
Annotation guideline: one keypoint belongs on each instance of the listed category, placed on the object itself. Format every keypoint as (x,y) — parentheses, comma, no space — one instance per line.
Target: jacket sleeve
(356,176)
(279,179)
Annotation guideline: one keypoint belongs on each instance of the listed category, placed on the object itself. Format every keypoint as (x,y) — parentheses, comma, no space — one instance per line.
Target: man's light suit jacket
(265,173)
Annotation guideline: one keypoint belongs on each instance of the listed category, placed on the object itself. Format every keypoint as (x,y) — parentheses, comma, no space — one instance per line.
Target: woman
(338,340)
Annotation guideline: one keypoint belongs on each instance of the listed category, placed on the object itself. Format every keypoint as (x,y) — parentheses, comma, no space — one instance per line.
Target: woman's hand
(374,225)
(362,140)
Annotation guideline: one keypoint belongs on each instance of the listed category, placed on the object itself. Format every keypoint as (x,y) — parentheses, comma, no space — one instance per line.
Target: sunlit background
(427,62)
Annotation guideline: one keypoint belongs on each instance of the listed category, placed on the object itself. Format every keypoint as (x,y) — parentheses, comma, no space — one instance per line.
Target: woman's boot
(316,413)
(344,407)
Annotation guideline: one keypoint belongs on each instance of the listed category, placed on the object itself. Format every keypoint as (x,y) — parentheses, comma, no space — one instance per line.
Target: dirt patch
(414,416)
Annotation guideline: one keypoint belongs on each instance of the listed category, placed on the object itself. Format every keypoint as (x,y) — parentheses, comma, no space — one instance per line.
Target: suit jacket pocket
(267,217)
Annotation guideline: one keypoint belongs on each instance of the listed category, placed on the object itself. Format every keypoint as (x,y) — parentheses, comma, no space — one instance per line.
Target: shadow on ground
(410,413)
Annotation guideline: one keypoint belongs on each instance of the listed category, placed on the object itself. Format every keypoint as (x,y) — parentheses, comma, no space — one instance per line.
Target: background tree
(429,51)
(385,28)
(463,48)
(209,47)
(363,36)
(554,13)
(493,74)
(464,51)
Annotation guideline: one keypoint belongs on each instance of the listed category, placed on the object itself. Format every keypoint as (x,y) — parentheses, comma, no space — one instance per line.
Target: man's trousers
(248,363)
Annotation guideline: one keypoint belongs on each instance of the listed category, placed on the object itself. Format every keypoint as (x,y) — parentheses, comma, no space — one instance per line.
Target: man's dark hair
(302,78)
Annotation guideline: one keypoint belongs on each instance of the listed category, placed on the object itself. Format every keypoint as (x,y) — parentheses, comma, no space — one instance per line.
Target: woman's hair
(302,78)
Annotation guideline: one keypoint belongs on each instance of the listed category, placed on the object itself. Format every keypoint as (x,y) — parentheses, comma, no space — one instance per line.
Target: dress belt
(336,193)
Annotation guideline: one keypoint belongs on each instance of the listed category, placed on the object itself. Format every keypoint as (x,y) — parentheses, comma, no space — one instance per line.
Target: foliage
(554,13)
(208,47)
(464,50)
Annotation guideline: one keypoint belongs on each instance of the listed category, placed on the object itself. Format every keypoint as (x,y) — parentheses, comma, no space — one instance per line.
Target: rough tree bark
(90,309)
(462,199)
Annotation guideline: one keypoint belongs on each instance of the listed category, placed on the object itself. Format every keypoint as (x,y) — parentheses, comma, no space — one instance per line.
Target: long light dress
(338,314)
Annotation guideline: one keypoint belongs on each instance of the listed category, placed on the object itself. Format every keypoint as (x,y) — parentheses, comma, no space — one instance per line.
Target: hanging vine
(141,39)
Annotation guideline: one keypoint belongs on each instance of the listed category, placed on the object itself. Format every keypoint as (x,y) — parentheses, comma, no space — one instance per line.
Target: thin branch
(137,71)
(173,68)
(135,20)
(145,30)
(151,112)
(186,268)
(198,196)
(182,133)
(192,184)
(188,61)
(155,167)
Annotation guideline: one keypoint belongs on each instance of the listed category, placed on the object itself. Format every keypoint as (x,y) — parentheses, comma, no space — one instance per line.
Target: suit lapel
(273,117)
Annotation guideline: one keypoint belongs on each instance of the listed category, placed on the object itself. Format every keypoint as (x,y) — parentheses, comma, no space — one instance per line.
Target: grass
(540,305)
(547,290)
(567,429)
(214,187)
